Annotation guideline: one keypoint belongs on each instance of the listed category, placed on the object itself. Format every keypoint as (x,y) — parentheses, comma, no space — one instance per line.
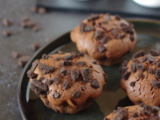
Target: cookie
(141,78)
(105,37)
(136,112)
(67,82)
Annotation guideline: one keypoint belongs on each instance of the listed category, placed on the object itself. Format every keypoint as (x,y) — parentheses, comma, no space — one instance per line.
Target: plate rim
(20,80)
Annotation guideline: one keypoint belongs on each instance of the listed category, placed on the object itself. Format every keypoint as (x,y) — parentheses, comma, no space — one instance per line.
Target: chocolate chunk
(31,74)
(123,69)
(83,88)
(156,84)
(104,39)
(39,85)
(92,17)
(23,60)
(115,32)
(56,80)
(139,54)
(151,59)
(15,54)
(117,17)
(121,114)
(57,58)
(41,79)
(135,114)
(67,63)
(46,69)
(140,67)
(143,59)
(82,53)
(85,28)
(75,75)
(66,85)
(56,95)
(98,34)
(158,73)
(153,53)
(76,94)
(6,22)
(81,63)
(150,70)
(125,62)
(63,71)
(37,90)
(48,82)
(132,37)
(45,56)
(122,36)
(126,75)
(158,64)
(86,74)
(101,48)
(134,60)
(82,26)
(133,68)
(7,33)
(95,84)
(155,109)
(94,62)
(140,75)
(69,57)
(41,10)
(35,46)
(132,84)
(127,29)
(74,54)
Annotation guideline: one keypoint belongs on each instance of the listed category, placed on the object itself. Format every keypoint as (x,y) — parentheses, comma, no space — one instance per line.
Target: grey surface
(52,25)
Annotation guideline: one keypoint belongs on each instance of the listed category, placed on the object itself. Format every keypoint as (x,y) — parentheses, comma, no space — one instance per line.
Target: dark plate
(112,96)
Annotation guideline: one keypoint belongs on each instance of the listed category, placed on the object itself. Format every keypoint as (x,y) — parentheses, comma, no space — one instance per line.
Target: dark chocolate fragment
(121,114)
(57,58)
(140,67)
(86,74)
(95,84)
(115,32)
(104,39)
(82,53)
(7,33)
(158,64)
(132,37)
(133,68)
(153,53)
(66,85)
(75,75)
(151,59)
(139,54)
(39,85)
(117,17)
(134,60)
(140,75)
(156,84)
(48,82)
(30,72)
(122,36)
(155,109)
(82,25)
(45,56)
(56,95)
(132,84)
(63,71)
(135,114)
(127,29)
(46,69)
(56,80)
(94,62)
(98,34)
(126,75)
(150,70)
(69,57)
(143,59)
(37,90)
(74,54)
(67,63)
(158,73)
(101,48)
(81,63)
(93,17)
(76,94)
(88,28)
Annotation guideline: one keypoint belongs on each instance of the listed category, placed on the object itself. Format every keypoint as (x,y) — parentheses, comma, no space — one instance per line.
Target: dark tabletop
(52,25)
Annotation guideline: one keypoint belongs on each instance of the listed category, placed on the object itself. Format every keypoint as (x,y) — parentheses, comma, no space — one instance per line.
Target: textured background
(52,25)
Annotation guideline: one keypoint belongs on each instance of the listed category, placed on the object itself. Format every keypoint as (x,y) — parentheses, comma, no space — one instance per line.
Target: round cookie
(105,37)
(67,82)
(141,78)
(136,112)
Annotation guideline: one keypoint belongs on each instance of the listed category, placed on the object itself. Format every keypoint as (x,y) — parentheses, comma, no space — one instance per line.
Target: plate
(31,106)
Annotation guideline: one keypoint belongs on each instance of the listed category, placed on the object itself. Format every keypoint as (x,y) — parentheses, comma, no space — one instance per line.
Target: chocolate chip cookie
(105,37)
(67,82)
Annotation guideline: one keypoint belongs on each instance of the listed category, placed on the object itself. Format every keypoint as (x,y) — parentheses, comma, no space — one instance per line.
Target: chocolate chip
(158,73)
(82,53)
(135,114)
(134,60)
(153,53)
(86,74)
(7,33)
(66,85)
(95,84)
(132,37)
(35,46)
(57,58)
(127,29)
(101,48)
(69,57)
(122,36)
(93,17)
(56,80)
(94,62)
(85,28)
(121,114)
(155,109)
(46,69)
(158,64)
(74,54)
(23,60)
(31,74)
(139,54)
(81,63)
(115,32)
(75,75)
(133,68)
(117,17)
(76,94)
(126,75)
(6,22)
(39,85)
(83,88)
(150,70)
(140,67)
(151,59)
(82,26)
(140,75)
(132,84)
(56,95)
(104,39)
(48,82)
(41,10)
(143,59)
(45,56)
(15,54)
(41,79)
(67,63)
(37,90)
(63,71)
(98,34)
